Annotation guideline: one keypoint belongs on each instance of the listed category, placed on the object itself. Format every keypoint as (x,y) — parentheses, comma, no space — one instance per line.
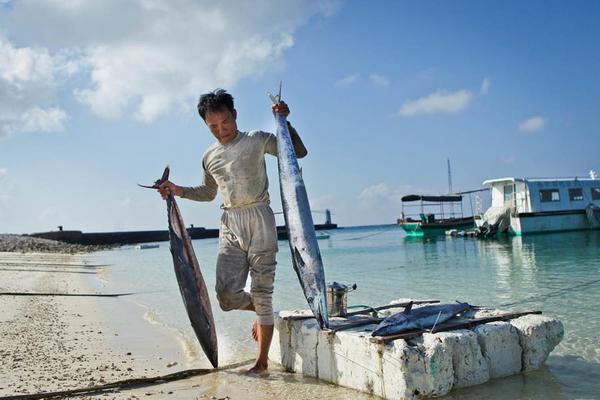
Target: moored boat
(448,215)
(532,205)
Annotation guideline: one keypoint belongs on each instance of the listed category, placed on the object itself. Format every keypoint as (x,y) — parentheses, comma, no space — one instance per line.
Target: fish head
(392,322)
(318,305)
(461,307)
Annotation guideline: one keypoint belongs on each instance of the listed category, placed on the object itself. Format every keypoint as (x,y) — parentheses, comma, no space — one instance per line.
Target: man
(235,167)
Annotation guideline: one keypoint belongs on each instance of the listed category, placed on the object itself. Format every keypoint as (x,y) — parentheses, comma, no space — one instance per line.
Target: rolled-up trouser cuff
(265,319)
(233,301)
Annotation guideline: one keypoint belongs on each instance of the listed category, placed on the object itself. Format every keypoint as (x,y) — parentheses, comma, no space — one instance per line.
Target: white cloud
(379,80)
(28,78)
(485,86)
(347,81)
(439,101)
(380,193)
(156,55)
(533,124)
(39,120)
(3,172)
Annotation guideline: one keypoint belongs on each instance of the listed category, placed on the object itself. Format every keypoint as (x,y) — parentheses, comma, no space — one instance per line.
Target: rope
(551,294)
(65,294)
(373,311)
(373,234)
(126,384)
(53,271)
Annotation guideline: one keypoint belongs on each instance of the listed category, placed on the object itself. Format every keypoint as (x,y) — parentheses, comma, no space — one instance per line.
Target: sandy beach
(53,343)
(60,343)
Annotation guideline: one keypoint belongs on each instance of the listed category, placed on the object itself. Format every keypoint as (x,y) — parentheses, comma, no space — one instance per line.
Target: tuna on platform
(431,364)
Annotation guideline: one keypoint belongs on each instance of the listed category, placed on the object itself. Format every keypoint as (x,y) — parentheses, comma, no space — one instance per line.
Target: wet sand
(55,343)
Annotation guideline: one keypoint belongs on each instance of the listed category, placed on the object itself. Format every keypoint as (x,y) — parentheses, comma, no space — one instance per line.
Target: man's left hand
(281,108)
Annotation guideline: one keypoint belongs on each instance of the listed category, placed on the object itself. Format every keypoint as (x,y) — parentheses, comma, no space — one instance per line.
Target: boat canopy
(419,197)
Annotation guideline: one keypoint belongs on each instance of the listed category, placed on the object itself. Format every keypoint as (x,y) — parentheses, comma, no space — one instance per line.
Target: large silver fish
(306,256)
(190,280)
(418,319)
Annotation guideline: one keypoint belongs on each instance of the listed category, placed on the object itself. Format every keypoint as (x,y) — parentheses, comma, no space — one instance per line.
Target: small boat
(322,235)
(147,246)
(282,233)
(449,215)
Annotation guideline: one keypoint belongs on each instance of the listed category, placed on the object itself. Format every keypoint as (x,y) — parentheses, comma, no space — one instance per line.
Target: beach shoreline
(12,243)
(56,343)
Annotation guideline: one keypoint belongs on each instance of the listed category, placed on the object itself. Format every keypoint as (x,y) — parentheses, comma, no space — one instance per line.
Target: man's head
(217,111)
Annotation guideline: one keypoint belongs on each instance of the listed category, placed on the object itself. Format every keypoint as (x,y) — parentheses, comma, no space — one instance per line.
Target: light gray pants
(247,243)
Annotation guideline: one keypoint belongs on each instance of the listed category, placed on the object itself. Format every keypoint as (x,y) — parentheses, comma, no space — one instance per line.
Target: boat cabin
(547,204)
(433,215)
(524,195)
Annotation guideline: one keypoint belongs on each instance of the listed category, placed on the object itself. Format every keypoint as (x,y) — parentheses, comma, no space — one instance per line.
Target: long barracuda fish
(418,319)
(190,280)
(306,256)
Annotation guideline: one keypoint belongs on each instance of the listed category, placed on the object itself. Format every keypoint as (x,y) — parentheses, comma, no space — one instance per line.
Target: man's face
(222,125)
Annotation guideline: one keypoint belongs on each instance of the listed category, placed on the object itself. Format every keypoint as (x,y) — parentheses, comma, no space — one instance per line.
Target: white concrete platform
(430,365)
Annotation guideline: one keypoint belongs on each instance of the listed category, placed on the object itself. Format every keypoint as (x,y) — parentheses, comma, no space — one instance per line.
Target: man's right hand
(169,187)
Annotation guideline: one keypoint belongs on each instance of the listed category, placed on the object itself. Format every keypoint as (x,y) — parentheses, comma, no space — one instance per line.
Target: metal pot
(337,299)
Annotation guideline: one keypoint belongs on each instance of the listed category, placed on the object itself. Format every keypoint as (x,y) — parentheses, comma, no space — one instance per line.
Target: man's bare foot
(264,333)
(258,367)
(255,331)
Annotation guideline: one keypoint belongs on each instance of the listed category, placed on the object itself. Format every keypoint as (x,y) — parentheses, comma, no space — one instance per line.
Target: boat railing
(431,208)
(559,178)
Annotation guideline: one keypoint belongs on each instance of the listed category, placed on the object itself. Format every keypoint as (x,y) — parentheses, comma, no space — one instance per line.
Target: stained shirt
(237,170)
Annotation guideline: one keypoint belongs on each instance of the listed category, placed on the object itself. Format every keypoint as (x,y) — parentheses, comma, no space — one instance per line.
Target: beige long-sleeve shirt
(237,169)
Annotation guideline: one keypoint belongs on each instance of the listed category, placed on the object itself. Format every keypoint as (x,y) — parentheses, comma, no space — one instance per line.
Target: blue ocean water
(556,273)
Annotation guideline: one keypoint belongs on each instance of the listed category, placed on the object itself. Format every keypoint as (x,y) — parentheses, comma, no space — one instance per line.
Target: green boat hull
(420,229)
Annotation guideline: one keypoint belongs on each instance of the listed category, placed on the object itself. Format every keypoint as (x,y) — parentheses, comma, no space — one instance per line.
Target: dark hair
(217,100)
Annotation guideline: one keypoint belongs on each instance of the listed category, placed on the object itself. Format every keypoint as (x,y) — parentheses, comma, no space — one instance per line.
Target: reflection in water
(540,384)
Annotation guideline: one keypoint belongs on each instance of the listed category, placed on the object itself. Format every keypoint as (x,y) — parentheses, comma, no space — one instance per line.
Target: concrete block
(349,359)
(430,365)
(404,371)
(294,343)
(499,342)
(470,367)
(437,355)
(538,336)
(417,370)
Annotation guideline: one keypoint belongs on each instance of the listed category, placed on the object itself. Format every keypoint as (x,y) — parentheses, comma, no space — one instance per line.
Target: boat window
(595,193)
(576,194)
(547,195)
(508,193)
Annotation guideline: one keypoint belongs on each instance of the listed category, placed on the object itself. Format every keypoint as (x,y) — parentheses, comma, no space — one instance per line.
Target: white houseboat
(531,205)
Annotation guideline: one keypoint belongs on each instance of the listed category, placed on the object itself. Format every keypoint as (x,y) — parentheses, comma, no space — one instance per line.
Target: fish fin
(298,258)
(165,175)
(408,308)
(163,178)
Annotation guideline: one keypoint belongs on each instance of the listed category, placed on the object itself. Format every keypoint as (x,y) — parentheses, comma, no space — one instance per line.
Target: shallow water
(556,273)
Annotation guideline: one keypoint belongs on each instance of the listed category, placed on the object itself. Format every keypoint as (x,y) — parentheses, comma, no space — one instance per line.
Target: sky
(96,97)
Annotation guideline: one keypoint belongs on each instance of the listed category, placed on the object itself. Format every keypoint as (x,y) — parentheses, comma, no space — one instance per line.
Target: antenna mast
(449,178)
